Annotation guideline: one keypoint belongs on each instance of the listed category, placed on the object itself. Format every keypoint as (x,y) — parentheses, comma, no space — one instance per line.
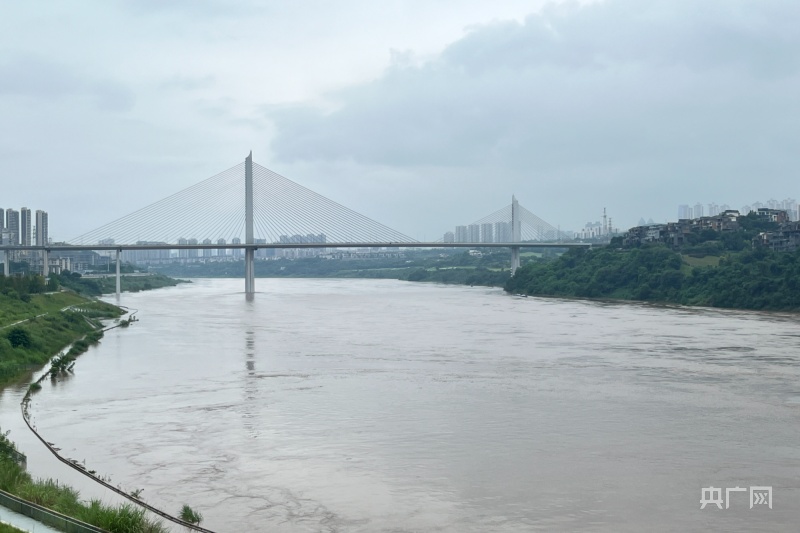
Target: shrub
(190,515)
(19,338)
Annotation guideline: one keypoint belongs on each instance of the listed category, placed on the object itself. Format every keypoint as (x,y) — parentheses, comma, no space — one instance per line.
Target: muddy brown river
(386,406)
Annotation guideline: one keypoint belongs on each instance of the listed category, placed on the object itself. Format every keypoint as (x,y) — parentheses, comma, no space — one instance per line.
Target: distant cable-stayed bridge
(532,228)
(249,207)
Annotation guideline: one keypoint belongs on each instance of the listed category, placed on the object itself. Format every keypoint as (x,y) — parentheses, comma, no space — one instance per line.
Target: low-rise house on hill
(677,234)
(773,215)
(786,239)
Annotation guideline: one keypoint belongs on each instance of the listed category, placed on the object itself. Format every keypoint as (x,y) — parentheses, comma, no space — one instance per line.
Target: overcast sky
(422,114)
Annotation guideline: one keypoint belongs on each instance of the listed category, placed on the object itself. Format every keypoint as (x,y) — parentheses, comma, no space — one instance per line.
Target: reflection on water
(388,406)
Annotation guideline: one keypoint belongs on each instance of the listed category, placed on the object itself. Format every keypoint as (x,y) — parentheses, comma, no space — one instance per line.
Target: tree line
(750,279)
(22,287)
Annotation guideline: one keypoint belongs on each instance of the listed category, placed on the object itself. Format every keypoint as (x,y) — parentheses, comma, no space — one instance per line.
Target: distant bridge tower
(516,234)
(249,253)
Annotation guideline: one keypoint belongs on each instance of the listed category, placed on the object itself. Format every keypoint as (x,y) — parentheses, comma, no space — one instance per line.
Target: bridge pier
(249,272)
(515,261)
(516,234)
(249,252)
(119,284)
(7,264)
(45,265)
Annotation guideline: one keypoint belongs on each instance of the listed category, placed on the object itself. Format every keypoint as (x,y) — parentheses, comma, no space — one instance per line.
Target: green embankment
(13,309)
(33,328)
(32,331)
(751,279)
(108,284)
(63,499)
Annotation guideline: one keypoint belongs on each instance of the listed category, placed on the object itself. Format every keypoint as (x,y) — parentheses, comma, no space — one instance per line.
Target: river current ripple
(386,406)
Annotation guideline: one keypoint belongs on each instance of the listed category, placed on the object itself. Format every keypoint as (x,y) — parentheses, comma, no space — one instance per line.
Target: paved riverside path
(23,522)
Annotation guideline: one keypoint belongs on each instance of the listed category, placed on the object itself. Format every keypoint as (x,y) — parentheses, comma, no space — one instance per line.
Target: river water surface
(379,405)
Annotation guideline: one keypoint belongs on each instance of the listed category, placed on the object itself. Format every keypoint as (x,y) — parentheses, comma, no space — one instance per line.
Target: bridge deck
(123,247)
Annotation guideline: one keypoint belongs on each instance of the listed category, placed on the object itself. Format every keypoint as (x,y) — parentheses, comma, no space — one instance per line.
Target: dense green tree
(19,338)
(753,279)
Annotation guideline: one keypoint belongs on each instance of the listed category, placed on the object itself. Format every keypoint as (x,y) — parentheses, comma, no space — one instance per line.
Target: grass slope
(47,328)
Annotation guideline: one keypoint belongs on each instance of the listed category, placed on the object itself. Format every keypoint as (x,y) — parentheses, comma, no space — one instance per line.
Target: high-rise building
(684,212)
(449,237)
(221,252)
(237,252)
(790,206)
(262,252)
(474,231)
(193,251)
(462,235)
(713,209)
(183,253)
(207,251)
(502,231)
(698,210)
(487,235)
(25,226)
(12,225)
(2,219)
(42,228)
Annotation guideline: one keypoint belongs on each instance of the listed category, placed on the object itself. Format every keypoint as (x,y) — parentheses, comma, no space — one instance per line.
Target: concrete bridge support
(7,263)
(119,281)
(516,234)
(45,264)
(249,253)
(249,272)
(515,261)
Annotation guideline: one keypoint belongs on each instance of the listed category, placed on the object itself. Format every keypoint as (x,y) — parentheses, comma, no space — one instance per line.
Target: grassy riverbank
(51,494)
(108,284)
(36,328)
(33,328)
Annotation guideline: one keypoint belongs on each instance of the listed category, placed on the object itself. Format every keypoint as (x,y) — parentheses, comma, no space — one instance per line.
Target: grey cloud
(761,37)
(110,96)
(28,75)
(218,108)
(189,83)
(217,9)
(624,88)
(31,76)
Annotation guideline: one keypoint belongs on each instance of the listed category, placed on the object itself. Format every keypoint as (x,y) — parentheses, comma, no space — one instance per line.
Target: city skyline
(19,228)
(790,205)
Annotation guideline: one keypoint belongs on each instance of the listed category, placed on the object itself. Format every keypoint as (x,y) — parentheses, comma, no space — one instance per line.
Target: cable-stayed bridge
(249,207)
